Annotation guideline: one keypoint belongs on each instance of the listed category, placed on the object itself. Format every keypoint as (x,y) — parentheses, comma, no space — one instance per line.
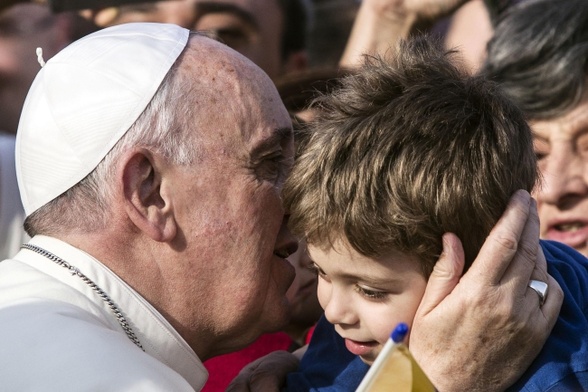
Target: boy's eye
(313,268)
(317,269)
(371,294)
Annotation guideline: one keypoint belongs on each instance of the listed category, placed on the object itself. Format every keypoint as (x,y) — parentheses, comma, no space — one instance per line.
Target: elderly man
(150,163)
(156,227)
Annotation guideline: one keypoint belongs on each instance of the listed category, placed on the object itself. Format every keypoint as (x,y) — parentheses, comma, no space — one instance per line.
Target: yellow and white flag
(395,369)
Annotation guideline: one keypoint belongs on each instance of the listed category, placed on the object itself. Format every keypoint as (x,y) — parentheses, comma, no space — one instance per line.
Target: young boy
(403,152)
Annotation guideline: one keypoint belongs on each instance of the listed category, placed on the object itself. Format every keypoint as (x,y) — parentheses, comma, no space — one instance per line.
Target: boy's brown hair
(406,150)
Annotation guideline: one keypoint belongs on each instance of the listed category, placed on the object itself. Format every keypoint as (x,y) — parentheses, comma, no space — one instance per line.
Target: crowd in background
(304,46)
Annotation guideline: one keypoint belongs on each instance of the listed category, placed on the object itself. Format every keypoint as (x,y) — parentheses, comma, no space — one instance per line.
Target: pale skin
(561,145)
(206,244)
(469,32)
(365,297)
(461,320)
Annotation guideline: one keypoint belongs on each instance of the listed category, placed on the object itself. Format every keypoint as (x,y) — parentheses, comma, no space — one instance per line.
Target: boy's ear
(145,205)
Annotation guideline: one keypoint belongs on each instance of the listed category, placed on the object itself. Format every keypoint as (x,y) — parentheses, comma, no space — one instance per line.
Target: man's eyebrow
(204,8)
(276,139)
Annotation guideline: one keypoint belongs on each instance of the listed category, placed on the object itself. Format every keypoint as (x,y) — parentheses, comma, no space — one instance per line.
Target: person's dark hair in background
(496,8)
(539,53)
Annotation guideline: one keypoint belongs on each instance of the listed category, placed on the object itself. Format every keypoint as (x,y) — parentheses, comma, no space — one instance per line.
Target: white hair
(162,128)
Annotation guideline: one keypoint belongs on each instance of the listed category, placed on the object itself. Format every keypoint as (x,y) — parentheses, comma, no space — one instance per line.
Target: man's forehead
(275,137)
(250,103)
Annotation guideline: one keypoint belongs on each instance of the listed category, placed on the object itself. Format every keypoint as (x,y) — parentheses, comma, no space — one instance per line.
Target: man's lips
(360,348)
(571,233)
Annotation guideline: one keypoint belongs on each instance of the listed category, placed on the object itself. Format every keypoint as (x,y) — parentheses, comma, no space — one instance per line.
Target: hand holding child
(465,321)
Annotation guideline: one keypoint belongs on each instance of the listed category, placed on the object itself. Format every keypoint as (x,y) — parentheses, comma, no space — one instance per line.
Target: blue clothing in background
(562,364)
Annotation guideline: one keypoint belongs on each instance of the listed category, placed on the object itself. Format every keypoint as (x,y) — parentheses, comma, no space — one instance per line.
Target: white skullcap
(84,100)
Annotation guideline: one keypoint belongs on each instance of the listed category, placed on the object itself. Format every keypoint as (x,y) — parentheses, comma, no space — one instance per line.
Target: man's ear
(145,205)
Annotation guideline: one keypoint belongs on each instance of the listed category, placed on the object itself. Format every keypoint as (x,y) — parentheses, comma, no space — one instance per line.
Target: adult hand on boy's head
(464,329)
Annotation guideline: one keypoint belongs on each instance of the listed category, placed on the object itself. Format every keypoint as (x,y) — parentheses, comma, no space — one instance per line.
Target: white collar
(157,336)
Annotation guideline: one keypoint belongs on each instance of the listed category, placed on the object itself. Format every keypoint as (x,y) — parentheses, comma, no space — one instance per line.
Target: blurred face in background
(561,145)
(23,28)
(252,27)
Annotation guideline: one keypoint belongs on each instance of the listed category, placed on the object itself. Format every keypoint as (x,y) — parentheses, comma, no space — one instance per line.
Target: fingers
(549,311)
(528,253)
(299,353)
(553,302)
(445,275)
(433,9)
(265,374)
(499,249)
(540,270)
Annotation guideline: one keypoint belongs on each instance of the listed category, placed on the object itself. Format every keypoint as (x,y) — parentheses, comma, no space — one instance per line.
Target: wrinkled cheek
(536,193)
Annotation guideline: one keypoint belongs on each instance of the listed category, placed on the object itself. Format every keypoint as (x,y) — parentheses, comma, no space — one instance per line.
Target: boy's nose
(340,310)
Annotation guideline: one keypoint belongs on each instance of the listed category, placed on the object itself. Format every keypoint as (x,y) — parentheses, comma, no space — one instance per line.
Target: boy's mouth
(360,348)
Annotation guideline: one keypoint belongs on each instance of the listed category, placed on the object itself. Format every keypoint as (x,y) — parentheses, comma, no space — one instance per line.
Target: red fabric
(309,334)
(224,368)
